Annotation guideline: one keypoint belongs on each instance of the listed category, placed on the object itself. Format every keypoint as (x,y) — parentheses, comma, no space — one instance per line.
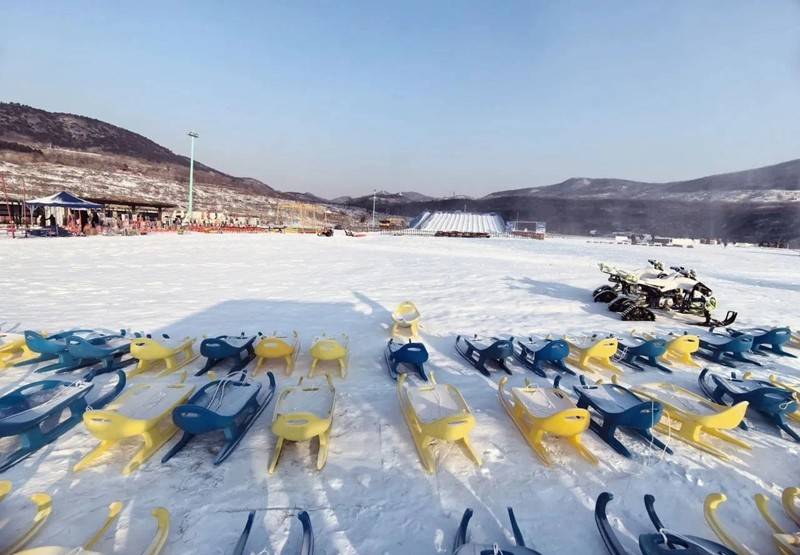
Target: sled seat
(51,347)
(406,316)
(479,351)
(634,351)
(277,347)
(691,417)
(719,348)
(593,353)
(680,348)
(412,356)
(536,353)
(14,350)
(539,411)
(767,339)
(171,353)
(238,349)
(144,410)
(329,349)
(303,412)
(107,353)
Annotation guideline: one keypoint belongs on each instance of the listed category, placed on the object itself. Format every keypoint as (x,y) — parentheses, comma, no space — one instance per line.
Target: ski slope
(373,497)
(463,222)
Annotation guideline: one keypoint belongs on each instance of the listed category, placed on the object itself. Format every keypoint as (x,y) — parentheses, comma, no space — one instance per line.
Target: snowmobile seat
(238,349)
(170,354)
(718,348)
(593,353)
(277,347)
(636,350)
(535,353)
(479,351)
(406,316)
(411,355)
(767,339)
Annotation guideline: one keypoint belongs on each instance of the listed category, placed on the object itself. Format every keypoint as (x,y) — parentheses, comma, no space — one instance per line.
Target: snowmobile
(634,295)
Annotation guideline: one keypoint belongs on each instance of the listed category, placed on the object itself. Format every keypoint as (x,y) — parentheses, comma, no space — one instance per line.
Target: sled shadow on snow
(562,291)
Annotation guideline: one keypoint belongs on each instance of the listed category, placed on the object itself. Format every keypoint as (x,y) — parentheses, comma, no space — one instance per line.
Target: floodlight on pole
(193,135)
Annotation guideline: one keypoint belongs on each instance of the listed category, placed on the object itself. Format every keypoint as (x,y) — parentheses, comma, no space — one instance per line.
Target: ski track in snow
(373,496)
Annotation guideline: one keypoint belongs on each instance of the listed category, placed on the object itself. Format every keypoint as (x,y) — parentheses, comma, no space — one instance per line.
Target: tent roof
(64,200)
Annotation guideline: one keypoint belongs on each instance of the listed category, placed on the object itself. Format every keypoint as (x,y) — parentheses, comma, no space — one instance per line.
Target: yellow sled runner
(785,543)
(14,350)
(436,413)
(329,349)
(541,411)
(302,413)
(406,316)
(593,353)
(165,353)
(145,410)
(277,347)
(44,507)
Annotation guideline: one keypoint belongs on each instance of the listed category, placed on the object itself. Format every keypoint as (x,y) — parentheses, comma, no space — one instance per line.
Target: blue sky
(435,96)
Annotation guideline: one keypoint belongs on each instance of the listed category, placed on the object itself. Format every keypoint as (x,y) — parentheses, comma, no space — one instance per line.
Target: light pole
(374,196)
(193,135)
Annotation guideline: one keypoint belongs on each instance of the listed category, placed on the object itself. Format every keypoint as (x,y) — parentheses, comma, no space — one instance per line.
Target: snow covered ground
(373,496)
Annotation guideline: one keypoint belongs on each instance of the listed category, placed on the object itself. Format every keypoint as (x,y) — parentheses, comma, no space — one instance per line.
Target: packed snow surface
(463,222)
(373,496)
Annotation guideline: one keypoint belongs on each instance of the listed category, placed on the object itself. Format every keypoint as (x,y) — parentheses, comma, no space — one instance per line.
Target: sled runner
(619,407)
(593,353)
(156,545)
(436,413)
(80,348)
(227,405)
(144,410)
(238,349)
(480,350)
(412,356)
(277,347)
(329,349)
(714,346)
(691,417)
(535,353)
(766,340)
(710,506)
(773,403)
(14,350)
(44,507)
(661,542)
(785,542)
(306,548)
(462,545)
(164,354)
(541,411)
(303,412)
(680,348)
(407,317)
(635,351)
(35,413)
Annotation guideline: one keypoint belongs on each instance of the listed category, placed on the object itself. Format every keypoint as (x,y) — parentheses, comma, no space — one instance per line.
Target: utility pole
(374,197)
(193,135)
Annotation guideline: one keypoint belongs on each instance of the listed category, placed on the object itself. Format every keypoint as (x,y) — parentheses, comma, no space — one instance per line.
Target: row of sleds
(43,508)
(704,418)
(153,401)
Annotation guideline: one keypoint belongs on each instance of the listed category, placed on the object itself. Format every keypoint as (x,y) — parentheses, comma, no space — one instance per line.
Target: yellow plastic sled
(14,349)
(541,411)
(329,349)
(277,347)
(44,507)
(785,543)
(302,413)
(710,507)
(5,488)
(436,412)
(145,410)
(593,353)
(173,353)
(680,348)
(406,316)
(689,416)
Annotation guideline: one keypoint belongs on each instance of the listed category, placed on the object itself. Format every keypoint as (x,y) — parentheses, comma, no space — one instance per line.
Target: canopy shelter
(64,200)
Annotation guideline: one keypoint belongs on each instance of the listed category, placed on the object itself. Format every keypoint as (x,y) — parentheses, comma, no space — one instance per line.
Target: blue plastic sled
(205,413)
(104,353)
(50,348)
(306,548)
(767,340)
(620,408)
(773,403)
(714,346)
(411,355)
(536,353)
(34,413)
(635,351)
(478,351)
(236,348)
(462,545)
(661,542)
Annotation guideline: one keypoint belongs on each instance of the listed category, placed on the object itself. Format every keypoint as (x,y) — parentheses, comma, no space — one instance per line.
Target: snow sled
(785,542)
(412,356)
(306,548)
(227,405)
(407,317)
(691,417)
(436,413)
(462,546)
(238,349)
(156,545)
(480,350)
(163,353)
(14,350)
(712,503)
(593,353)
(767,340)
(634,351)
(535,353)
(80,348)
(144,410)
(661,542)
(303,412)
(719,347)
(619,407)
(43,504)
(277,347)
(773,403)
(680,348)
(49,347)
(541,411)
(329,349)
(34,412)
